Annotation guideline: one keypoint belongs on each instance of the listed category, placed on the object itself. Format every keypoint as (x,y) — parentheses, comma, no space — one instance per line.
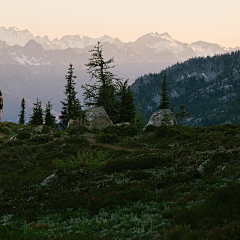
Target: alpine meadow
(133,135)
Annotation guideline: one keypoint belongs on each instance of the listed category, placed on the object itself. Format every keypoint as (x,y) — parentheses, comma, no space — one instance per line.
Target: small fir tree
(50,119)
(22,113)
(71,106)
(239,98)
(183,114)
(164,103)
(139,120)
(78,112)
(126,106)
(37,116)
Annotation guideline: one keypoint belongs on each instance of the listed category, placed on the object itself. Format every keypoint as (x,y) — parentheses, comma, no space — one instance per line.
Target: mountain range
(34,67)
(157,42)
(208,87)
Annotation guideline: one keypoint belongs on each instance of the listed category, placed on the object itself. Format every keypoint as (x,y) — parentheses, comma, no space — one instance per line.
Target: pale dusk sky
(215,21)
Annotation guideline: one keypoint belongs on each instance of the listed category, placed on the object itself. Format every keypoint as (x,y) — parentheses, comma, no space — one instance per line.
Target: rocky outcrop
(163,116)
(95,118)
(98,118)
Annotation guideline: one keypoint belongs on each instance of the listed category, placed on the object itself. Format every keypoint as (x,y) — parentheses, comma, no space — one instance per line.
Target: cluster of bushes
(134,163)
(96,179)
(113,134)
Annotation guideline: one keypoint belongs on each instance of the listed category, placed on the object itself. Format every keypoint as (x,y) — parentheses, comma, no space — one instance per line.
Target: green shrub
(118,196)
(77,129)
(43,138)
(23,135)
(57,134)
(83,159)
(106,137)
(230,231)
(122,130)
(221,205)
(135,163)
(169,131)
(150,128)
(139,175)
(177,232)
(27,166)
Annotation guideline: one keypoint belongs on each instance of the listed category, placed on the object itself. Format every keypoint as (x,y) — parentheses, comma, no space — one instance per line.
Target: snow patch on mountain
(203,74)
(167,45)
(26,60)
(77,41)
(210,49)
(227,97)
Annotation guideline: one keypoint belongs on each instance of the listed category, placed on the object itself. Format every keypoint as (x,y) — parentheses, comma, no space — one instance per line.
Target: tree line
(108,91)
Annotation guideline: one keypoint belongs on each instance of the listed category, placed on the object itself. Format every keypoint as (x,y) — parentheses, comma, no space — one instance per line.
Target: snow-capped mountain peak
(166,36)
(164,43)
(15,29)
(154,42)
(13,36)
(203,48)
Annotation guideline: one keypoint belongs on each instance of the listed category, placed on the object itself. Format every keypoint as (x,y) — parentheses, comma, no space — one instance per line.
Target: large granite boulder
(161,117)
(96,118)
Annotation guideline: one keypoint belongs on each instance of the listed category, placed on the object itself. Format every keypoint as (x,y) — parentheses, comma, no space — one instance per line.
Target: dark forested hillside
(209,88)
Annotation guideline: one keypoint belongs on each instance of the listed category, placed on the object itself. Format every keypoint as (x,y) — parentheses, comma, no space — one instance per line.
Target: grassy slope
(153,193)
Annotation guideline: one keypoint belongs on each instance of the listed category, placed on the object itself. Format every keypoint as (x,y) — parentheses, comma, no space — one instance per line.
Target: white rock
(39,129)
(157,118)
(200,169)
(47,180)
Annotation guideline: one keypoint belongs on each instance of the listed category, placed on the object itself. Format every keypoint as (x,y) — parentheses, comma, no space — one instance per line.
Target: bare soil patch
(107,145)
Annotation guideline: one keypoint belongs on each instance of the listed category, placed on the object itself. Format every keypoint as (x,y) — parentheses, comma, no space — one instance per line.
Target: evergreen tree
(103,91)
(37,116)
(50,120)
(165,120)
(139,120)
(183,114)
(72,108)
(22,113)
(126,106)
(239,98)
(164,103)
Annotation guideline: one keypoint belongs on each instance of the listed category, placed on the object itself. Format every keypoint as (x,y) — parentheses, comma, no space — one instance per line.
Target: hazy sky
(216,21)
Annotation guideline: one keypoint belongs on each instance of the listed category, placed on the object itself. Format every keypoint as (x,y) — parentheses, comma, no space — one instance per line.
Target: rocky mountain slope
(208,87)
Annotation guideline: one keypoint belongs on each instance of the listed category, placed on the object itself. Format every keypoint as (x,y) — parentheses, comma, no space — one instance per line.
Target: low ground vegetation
(56,185)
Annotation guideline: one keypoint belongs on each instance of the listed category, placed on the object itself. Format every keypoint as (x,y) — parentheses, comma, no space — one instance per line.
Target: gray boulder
(39,129)
(163,116)
(95,117)
(98,118)
(200,169)
(43,129)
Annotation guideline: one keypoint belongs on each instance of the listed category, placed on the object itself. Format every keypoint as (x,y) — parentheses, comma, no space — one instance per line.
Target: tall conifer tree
(72,108)
(37,116)
(22,113)
(126,106)
(103,91)
(164,102)
(50,120)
